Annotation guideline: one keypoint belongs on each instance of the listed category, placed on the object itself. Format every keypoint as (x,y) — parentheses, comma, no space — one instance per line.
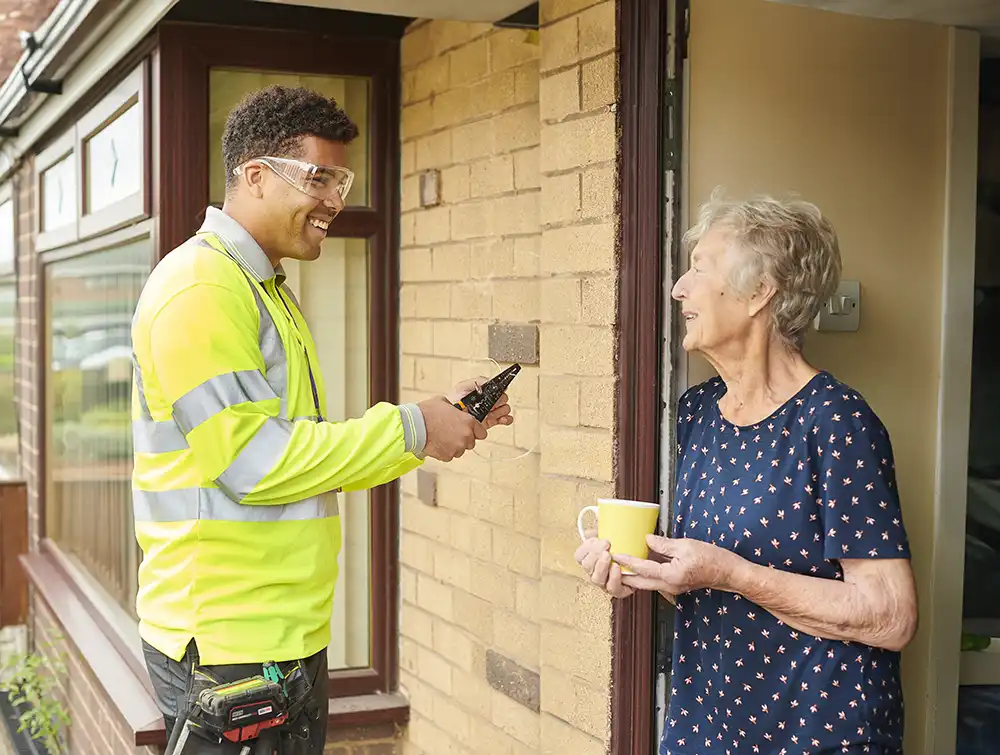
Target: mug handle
(579,520)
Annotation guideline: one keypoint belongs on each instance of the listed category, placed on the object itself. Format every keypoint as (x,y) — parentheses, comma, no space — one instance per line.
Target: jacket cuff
(414,429)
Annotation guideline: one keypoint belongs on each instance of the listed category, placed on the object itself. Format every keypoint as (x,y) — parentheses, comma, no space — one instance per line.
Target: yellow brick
(434,151)
(434,670)
(518,553)
(432,300)
(516,637)
(493,94)
(523,392)
(430,738)
(454,645)
(453,491)
(452,567)
(409,82)
(526,173)
(599,296)
(597,30)
(599,192)
(578,453)
(560,44)
(418,625)
(562,199)
(435,597)
(455,184)
(416,336)
(473,141)
(526,429)
(472,536)
(528,255)
(559,545)
(451,718)
(575,652)
(559,595)
(407,371)
(426,521)
(416,265)
(409,157)
(420,695)
(407,230)
(472,220)
(430,78)
(583,249)
(559,737)
(492,176)
(408,585)
(433,226)
(578,143)
(560,300)
(474,693)
(450,108)
(516,301)
(576,702)
(597,403)
(560,400)
(410,194)
(416,552)
(446,35)
(593,615)
(417,120)
(492,504)
(577,350)
(415,46)
(518,213)
(559,94)
(451,262)
(514,719)
(433,375)
(526,79)
(552,10)
(407,653)
(480,339)
(469,62)
(475,615)
(518,129)
(511,47)
(494,584)
(600,82)
(526,600)
(452,338)
(472,300)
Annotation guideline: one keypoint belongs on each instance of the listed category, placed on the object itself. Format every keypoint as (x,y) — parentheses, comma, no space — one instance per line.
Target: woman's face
(714,316)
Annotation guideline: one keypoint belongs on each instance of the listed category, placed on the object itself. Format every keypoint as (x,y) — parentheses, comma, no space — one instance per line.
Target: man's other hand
(500,413)
(450,431)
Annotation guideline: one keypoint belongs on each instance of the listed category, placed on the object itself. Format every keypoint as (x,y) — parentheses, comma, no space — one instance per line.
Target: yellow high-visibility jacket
(236,469)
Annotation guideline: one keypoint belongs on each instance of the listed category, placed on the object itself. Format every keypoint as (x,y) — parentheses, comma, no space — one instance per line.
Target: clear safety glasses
(318,181)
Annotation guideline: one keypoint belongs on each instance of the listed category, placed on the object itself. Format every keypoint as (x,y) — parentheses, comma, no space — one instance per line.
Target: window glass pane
(9,450)
(227,87)
(978,720)
(59,194)
(89,302)
(114,160)
(333,293)
(8,239)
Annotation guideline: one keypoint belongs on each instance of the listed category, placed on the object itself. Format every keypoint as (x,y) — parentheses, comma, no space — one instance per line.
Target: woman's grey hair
(785,242)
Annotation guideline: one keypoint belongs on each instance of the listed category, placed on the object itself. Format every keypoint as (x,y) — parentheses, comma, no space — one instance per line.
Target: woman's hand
(686,565)
(595,557)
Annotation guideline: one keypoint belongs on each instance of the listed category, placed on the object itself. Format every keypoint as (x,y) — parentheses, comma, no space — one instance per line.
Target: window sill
(129,695)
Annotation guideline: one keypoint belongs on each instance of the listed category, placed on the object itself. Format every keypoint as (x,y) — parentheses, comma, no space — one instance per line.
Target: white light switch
(842,311)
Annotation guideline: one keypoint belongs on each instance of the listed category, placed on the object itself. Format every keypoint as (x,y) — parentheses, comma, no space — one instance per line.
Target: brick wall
(504,650)
(15,16)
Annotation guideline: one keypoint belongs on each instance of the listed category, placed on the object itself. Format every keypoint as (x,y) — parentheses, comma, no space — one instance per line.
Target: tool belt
(241,711)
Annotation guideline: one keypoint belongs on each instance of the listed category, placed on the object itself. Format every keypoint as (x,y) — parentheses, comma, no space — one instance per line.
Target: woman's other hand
(595,557)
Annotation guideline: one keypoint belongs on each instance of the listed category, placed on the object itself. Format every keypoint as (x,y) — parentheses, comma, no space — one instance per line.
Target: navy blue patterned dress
(811,484)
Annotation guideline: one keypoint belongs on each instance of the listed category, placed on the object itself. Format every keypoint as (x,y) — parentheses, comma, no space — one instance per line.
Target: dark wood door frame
(648,149)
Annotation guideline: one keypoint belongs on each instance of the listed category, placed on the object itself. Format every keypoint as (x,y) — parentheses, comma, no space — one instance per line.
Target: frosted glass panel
(7,237)
(114,160)
(59,194)
(228,86)
(333,293)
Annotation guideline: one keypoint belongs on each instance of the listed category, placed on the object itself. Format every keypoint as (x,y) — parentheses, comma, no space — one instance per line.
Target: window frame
(187,54)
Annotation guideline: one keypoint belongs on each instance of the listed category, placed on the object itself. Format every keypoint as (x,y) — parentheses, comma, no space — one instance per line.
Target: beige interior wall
(849,113)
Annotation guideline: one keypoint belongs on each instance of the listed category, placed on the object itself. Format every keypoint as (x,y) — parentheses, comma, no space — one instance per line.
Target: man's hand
(499,414)
(595,557)
(450,431)
(686,564)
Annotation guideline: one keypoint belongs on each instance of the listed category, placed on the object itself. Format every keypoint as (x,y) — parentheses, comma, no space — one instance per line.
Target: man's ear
(253,179)
(762,296)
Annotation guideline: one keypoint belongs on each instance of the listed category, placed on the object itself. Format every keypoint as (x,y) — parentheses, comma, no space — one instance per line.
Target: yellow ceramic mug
(624,524)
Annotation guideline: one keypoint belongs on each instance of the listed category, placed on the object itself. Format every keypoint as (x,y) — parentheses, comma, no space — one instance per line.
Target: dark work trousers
(172,684)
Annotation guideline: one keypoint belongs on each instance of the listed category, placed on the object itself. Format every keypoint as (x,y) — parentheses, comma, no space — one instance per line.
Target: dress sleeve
(857,483)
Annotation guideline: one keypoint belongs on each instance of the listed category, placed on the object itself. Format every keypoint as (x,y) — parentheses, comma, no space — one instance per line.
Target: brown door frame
(648,155)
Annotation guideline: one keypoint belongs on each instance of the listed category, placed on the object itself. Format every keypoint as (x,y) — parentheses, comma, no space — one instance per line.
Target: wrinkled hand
(687,564)
(595,557)
(450,431)
(499,414)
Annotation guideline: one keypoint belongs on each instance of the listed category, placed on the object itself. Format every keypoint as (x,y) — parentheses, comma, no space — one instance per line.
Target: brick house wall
(504,649)
(16,16)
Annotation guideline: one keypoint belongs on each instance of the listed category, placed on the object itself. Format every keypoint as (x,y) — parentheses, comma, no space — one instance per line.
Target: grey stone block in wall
(513,680)
(514,343)
(427,487)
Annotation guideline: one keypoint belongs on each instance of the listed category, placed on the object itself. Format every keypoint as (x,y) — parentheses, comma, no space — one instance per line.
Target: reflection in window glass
(978,720)
(89,303)
(333,290)
(227,87)
(114,160)
(9,451)
(8,239)
(59,194)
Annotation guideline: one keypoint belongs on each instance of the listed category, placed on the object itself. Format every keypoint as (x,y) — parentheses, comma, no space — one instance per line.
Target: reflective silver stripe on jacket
(211,504)
(258,457)
(219,393)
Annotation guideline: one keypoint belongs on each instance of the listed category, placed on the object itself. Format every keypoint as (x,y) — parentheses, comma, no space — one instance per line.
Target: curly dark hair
(273,120)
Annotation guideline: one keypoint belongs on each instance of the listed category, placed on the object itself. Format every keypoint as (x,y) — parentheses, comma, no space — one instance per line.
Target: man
(236,465)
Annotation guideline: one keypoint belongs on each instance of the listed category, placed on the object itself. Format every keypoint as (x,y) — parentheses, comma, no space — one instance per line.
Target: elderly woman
(788,561)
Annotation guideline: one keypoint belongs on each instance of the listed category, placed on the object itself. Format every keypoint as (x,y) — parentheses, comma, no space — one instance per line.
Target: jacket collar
(241,246)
